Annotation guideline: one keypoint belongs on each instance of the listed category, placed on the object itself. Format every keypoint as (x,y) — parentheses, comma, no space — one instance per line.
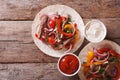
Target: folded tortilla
(90,46)
(62,10)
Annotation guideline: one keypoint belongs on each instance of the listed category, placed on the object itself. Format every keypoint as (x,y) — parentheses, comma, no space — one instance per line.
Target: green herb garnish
(84,62)
(101,71)
(68,30)
(69,19)
(46,38)
(113,59)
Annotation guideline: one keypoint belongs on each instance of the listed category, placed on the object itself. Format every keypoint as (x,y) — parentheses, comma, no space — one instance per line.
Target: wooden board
(20,59)
(33,71)
(27,9)
(16,43)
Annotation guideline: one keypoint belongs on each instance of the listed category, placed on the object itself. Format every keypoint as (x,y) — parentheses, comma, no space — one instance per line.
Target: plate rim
(89,44)
(36,40)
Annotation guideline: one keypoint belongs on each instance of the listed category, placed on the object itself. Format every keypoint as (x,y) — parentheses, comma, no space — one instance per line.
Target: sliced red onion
(58,47)
(51,33)
(55,29)
(105,70)
(91,68)
(48,30)
(114,71)
(98,54)
(69,49)
(106,62)
(103,60)
(51,17)
(48,24)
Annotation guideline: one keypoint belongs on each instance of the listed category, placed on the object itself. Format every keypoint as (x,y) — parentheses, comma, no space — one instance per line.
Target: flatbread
(62,10)
(90,46)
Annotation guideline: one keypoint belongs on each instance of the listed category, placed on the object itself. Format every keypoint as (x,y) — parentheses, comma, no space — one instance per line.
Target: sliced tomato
(51,40)
(102,50)
(42,38)
(52,23)
(114,53)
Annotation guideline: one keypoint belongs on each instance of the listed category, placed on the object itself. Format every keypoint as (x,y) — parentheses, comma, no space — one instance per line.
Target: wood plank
(16,44)
(33,71)
(27,9)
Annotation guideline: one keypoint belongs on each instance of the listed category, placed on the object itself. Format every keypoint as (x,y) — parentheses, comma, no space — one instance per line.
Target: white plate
(90,46)
(60,9)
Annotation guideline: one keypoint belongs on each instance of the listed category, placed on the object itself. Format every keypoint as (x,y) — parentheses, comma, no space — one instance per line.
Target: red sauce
(69,64)
(75,25)
(36,35)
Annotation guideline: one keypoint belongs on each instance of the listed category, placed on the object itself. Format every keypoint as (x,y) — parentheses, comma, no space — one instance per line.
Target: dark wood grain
(33,71)
(16,43)
(27,9)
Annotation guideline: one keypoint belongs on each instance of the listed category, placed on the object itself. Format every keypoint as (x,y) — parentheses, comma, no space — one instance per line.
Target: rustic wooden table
(20,59)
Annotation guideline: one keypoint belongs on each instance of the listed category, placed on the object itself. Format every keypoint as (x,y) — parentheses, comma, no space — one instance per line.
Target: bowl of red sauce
(69,64)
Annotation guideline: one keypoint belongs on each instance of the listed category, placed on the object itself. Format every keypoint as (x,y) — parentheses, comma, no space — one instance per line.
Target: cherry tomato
(52,24)
(114,53)
(42,38)
(51,40)
(102,50)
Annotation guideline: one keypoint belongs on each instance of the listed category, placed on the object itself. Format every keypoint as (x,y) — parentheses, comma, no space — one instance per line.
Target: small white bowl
(75,71)
(95,31)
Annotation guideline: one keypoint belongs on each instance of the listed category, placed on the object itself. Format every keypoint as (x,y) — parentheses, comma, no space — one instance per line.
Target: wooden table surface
(20,59)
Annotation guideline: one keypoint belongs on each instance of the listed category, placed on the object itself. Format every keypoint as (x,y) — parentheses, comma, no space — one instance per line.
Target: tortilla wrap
(62,10)
(90,46)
